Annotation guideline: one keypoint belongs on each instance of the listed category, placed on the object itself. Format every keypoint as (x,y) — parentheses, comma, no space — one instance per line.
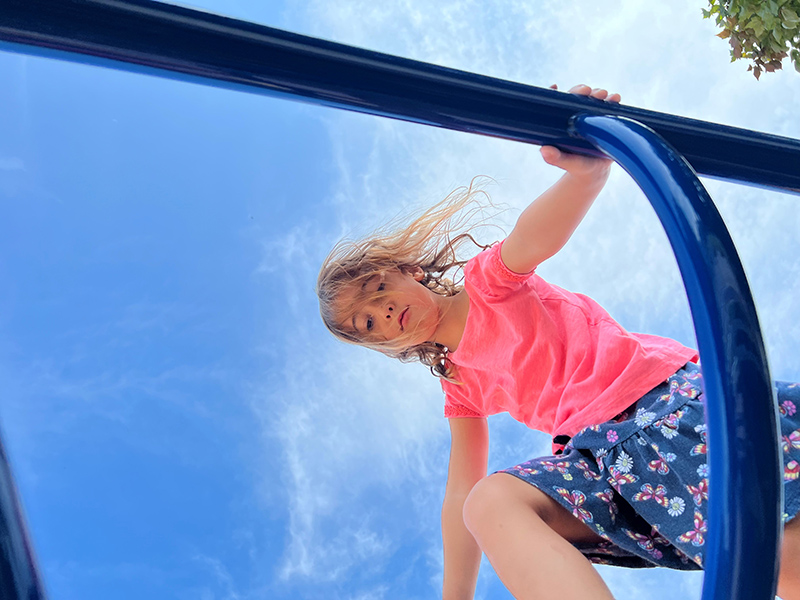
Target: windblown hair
(431,242)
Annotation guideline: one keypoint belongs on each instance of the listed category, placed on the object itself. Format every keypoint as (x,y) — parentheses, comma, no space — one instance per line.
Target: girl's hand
(574,164)
(585,90)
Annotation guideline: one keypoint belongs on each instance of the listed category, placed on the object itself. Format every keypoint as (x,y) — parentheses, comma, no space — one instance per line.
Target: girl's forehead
(361,285)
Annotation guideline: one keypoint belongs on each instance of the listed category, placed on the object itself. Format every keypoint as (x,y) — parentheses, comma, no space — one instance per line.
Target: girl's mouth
(403,320)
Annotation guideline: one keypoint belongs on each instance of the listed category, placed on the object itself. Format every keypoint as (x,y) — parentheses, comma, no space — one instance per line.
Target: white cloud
(348,423)
(220,574)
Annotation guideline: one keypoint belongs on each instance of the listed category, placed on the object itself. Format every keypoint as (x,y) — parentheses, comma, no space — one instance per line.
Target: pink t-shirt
(553,360)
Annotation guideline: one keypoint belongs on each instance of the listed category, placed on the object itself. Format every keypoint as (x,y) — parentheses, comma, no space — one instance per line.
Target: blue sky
(180,424)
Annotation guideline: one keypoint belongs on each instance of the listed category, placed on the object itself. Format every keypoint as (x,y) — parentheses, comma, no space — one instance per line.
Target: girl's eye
(369,324)
(381,287)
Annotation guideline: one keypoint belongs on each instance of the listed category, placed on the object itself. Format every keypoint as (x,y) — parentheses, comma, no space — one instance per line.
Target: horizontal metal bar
(173,41)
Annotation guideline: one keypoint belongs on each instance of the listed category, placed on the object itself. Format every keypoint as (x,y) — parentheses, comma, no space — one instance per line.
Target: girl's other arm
(469,451)
(545,226)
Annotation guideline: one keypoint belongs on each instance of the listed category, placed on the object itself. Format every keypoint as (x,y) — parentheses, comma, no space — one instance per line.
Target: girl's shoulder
(487,273)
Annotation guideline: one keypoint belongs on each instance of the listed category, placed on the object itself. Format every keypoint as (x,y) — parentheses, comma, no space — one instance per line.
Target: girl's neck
(454,311)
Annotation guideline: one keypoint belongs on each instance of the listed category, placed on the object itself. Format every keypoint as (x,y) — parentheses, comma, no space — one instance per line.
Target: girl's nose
(389,311)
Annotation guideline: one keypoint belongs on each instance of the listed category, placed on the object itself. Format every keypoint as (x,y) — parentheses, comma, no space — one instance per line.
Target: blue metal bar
(745,481)
(172,41)
(19,575)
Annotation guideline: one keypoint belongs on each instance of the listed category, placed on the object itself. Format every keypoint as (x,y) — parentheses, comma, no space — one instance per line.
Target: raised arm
(469,451)
(545,226)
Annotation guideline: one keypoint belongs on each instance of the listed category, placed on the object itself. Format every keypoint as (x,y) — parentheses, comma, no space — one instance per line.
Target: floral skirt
(640,481)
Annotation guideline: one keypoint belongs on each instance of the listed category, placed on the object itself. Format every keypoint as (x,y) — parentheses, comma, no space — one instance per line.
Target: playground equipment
(661,152)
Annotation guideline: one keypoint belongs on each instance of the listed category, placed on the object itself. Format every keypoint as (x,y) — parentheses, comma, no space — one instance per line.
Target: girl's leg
(526,536)
(789,580)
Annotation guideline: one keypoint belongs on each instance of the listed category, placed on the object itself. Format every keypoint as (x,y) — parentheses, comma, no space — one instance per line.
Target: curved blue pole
(745,499)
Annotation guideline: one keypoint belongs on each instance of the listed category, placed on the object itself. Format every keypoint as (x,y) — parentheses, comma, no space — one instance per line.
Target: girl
(628,482)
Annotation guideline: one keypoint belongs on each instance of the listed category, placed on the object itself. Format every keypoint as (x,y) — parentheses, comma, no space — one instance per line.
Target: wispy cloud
(347,424)
(11,163)
(219,572)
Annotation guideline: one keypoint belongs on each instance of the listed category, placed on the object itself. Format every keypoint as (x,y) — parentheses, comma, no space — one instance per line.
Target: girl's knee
(478,504)
(789,578)
(791,540)
(492,497)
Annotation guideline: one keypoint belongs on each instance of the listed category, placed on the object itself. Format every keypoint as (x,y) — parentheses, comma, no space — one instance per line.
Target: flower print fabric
(641,480)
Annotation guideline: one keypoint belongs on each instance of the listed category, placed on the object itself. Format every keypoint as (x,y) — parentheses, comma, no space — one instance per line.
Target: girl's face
(391,308)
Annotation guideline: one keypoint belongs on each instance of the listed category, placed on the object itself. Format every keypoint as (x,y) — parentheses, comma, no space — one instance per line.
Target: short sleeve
(488,273)
(454,409)
(502,270)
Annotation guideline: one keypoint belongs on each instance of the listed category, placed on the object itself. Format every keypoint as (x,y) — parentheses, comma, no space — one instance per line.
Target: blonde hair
(431,242)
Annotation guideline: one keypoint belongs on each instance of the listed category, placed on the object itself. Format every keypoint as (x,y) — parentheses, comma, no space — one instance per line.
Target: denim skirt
(640,480)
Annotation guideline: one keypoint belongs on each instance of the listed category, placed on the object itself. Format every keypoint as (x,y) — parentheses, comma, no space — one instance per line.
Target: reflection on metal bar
(19,575)
(172,41)
(745,481)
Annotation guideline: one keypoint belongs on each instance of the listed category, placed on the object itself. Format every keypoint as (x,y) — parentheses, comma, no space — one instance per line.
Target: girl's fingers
(582,89)
(604,95)
(598,93)
(585,90)
(551,155)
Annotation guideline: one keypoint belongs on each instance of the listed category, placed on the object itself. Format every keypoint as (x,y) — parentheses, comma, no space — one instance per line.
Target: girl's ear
(417,273)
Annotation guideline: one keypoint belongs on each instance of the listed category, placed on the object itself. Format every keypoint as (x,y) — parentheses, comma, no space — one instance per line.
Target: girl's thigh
(497,493)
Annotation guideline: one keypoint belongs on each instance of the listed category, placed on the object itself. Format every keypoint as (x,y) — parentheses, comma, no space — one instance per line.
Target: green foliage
(765,31)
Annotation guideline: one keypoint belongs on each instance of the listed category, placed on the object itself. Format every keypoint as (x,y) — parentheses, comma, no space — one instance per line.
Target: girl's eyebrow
(363,292)
(369,280)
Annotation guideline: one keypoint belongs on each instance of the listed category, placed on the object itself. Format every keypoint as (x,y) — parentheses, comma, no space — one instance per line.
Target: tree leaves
(763,31)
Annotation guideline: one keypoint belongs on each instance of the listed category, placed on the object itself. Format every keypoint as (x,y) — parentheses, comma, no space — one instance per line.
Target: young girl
(628,482)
